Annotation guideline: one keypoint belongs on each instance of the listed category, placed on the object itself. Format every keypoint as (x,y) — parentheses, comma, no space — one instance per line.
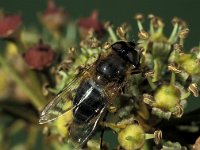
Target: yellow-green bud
(189,63)
(96,145)
(132,137)
(63,122)
(167,97)
(93,145)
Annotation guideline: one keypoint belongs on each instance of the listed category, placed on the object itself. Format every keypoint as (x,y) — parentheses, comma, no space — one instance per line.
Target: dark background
(118,11)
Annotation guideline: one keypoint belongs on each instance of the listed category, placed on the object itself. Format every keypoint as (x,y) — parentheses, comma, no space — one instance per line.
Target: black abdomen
(90,99)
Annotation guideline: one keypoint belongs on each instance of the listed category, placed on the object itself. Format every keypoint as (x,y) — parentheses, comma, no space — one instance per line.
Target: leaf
(19,110)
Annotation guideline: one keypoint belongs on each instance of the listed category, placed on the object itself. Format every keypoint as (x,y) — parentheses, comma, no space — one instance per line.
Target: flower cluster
(36,66)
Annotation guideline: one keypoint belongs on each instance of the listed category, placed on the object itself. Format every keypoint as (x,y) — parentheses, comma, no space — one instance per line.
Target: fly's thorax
(111,69)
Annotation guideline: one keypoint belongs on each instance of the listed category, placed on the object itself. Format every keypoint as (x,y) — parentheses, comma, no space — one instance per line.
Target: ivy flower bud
(189,63)
(62,124)
(91,23)
(167,97)
(39,56)
(54,18)
(132,137)
(9,24)
(95,145)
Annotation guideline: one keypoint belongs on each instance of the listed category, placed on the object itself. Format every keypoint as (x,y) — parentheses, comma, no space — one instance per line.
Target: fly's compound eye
(127,51)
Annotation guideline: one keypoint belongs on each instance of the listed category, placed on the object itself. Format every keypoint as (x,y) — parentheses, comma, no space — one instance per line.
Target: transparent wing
(62,102)
(80,133)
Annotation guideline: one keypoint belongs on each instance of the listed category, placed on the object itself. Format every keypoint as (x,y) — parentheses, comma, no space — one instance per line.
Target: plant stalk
(37,102)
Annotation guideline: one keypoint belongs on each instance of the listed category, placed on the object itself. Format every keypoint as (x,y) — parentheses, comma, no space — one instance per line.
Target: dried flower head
(39,56)
(54,17)
(9,24)
(92,22)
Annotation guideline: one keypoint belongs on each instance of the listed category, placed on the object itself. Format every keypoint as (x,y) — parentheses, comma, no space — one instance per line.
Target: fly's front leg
(58,88)
(127,121)
(121,124)
(123,88)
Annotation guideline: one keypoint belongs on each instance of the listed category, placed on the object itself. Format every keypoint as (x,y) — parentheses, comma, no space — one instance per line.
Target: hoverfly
(94,91)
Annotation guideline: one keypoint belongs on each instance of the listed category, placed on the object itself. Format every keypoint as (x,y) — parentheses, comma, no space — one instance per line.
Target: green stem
(159,31)
(71,32)
(173,78)
(152,85)
(38,103)
(140,25)
(31,74)
(156,70)
(112,34)
(149,136)
(173,35)
(32,137)
(36,85)
(181,42)
(151,28)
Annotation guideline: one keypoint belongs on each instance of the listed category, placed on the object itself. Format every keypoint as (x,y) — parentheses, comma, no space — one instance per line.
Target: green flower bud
(63,122)
(167,97)
(189,63)
(96,145)
(132,137)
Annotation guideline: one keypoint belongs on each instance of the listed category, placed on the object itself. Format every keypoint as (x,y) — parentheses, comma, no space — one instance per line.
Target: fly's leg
(101,142)
(59,87)
(121,124)
(102,132)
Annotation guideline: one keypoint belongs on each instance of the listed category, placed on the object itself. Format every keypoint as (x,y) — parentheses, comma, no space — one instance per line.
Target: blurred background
(115,11)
